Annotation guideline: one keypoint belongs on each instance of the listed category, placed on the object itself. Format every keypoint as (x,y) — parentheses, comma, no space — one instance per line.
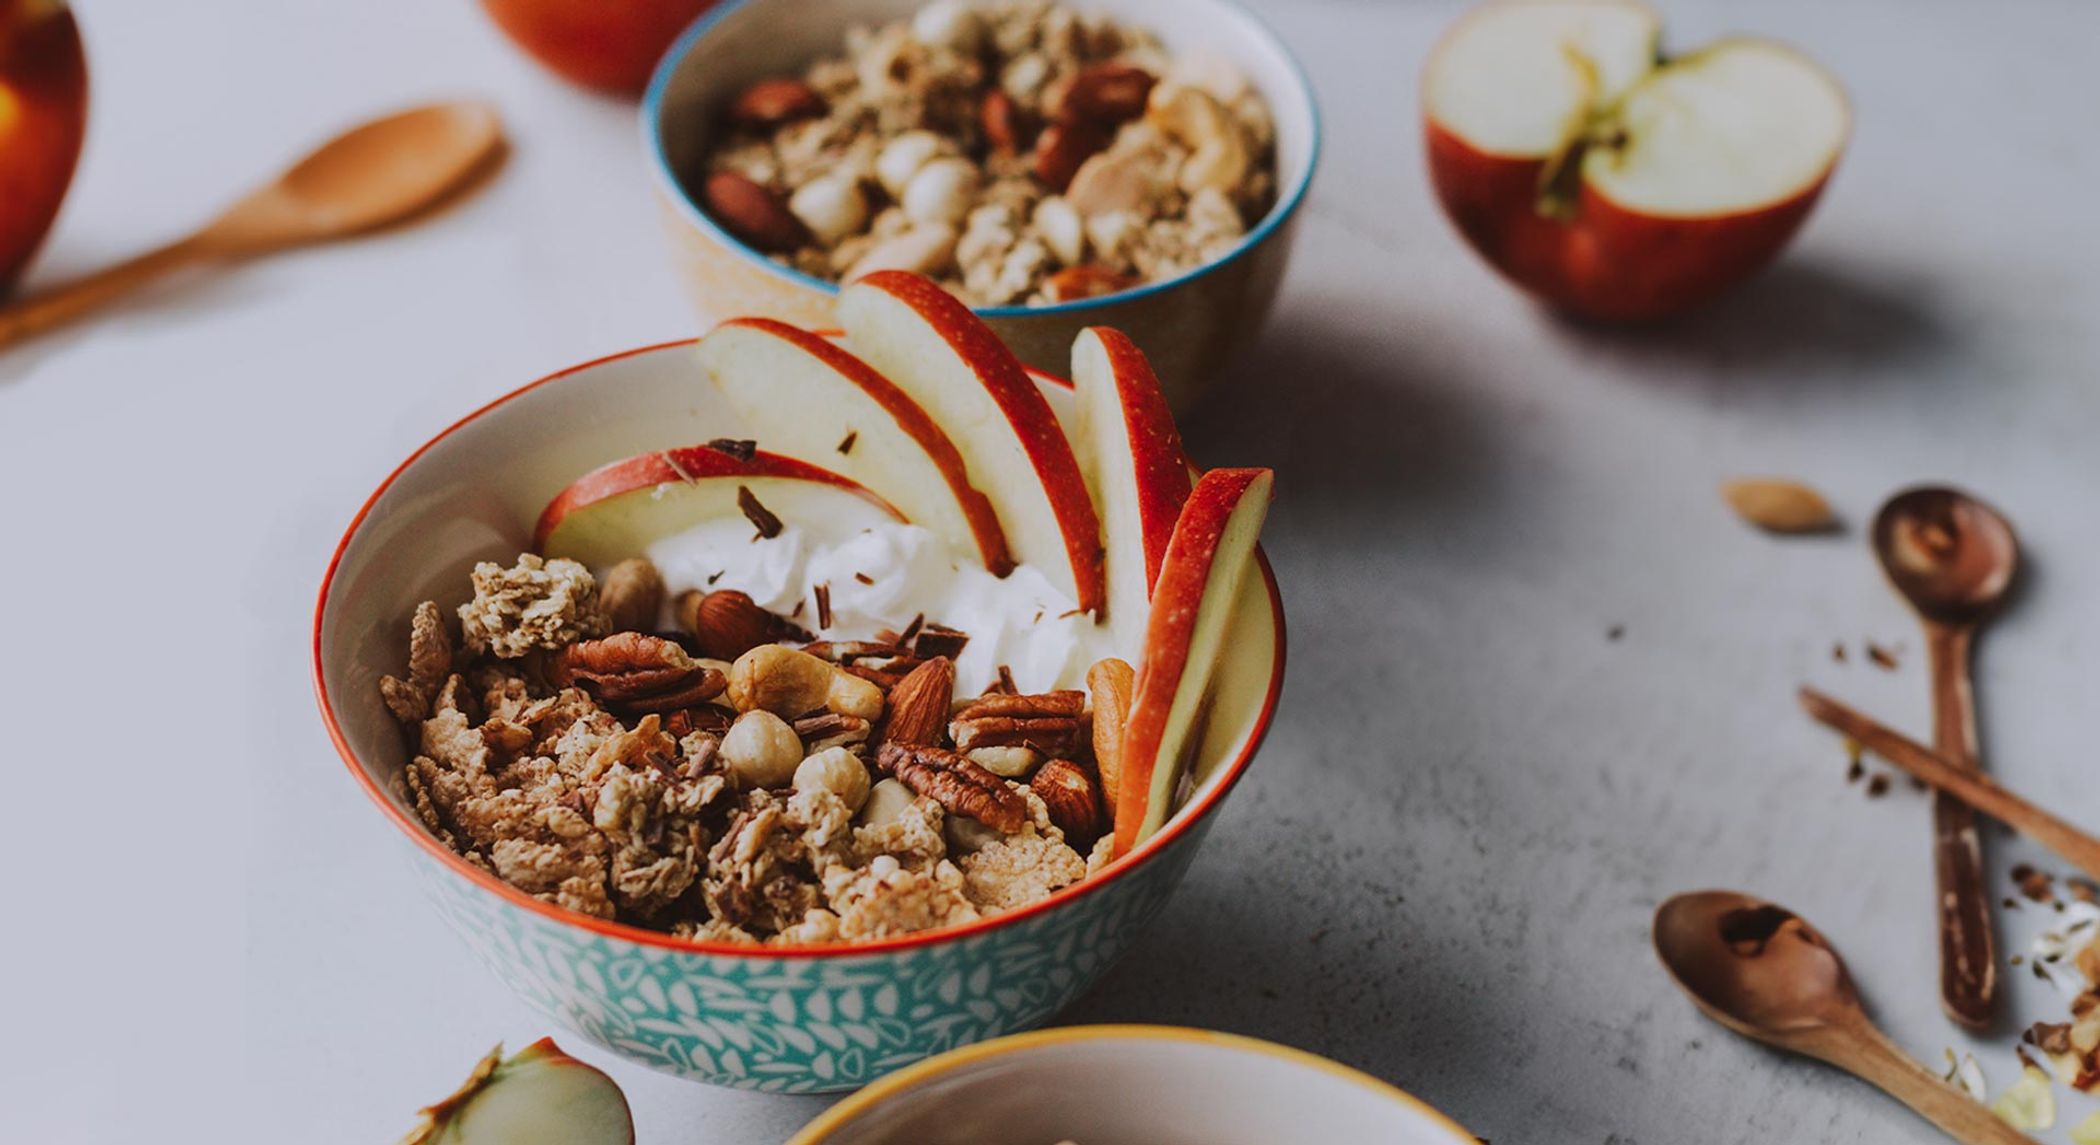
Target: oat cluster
(1018,152)
(767,793)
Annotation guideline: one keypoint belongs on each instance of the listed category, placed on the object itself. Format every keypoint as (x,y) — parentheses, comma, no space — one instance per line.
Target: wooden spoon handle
(1973,788)
(1968,947)
(62,304)
(1868,1053)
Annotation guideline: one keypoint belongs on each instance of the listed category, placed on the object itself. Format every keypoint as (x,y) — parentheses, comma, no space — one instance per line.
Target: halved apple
(617,510)
(539,1096)
(933,348)
(805,396)
(1610,181)
(1199,581)
(1131,454)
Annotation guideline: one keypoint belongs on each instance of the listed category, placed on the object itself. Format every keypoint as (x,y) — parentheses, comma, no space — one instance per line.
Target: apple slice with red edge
(927,342)
(1199,582)
(539,1096)
(618,510)
(1609,181)
(805,396)
(1135,467)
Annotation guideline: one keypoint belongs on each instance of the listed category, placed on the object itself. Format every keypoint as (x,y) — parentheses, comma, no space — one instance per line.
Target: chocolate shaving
(1615,633)
(823,591)
(1837,652)
(1006,681)
(864,578)
(846,443)
(1878,786)
(742,450)
(936,640)
(718,576)
(761,518)
(1882,657)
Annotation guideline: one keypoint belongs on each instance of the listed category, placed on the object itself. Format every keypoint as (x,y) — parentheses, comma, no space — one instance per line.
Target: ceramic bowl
(1131,1085)
(1188,326)
(800,1020)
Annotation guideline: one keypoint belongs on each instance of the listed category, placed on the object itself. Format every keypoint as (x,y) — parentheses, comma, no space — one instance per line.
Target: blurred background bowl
(1188,326)
(791,1020)
(1131,1085)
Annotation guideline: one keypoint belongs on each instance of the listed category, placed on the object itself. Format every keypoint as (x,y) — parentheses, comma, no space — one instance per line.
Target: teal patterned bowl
(782,1020)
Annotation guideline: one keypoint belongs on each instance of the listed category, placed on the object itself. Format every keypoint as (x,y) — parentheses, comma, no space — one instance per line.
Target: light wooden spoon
(383,172)
(1762,971)
(1971,787)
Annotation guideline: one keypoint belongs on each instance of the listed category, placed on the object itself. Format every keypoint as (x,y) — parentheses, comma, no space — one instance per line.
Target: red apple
(805,396)
(539,1096)
(1199,582)
(43,118)
(611,45)
(1612,182)
(1135,466)
(617,510)
(927,342)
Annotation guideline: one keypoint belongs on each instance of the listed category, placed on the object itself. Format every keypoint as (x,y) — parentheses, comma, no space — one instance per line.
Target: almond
(631,595)
(1000,117)
(752,213)
(1777,505)
(1106,93)
(1075,282)
(728,623)
(1062,147)
(1071,797)
(772,102)
(1112,682)
(919,703)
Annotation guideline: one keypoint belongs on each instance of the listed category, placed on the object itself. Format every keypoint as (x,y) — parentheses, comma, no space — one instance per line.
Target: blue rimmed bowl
(1188,326)
(803,1020)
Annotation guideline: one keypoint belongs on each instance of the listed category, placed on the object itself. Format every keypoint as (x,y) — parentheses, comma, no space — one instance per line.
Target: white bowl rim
(1210,797)
(1287,202)
(890,1085)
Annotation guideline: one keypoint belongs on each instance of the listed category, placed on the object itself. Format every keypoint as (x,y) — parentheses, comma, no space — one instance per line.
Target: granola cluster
(718,783)
(1018,152)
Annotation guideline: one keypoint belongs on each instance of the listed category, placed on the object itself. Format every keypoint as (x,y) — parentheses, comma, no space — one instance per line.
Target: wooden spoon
(384,172)
(1765,973)
(1953,558)
(1971,787)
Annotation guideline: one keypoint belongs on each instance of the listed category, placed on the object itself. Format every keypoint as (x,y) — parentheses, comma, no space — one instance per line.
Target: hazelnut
(942,191)
(1004,762)
(1057,222)
(886,803)
(849,695)
(831,207)
(838,771)
(780,680)
(631,595)
(760,750)
(901,158)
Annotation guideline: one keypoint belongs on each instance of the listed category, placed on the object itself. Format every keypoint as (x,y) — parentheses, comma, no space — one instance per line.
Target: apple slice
(806,397)
(1135,467)
(1611,182)
(928,343)
(617,510)
(540,1096)
(1212,546)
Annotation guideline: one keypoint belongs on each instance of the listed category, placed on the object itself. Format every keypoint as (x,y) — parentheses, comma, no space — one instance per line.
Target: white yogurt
(1021,621)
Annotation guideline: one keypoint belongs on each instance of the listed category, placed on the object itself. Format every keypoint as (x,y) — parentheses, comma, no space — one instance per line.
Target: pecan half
(1053,723)
(636,672)
(956,784)
(1072,798)
(919,703)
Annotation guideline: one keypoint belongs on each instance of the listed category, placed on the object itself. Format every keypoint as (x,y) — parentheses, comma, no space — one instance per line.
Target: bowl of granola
(1056,165)
(1140,1085)
(756,707)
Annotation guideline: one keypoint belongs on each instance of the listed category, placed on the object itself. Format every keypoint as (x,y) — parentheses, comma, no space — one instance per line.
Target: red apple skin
(686,463)
(43,119)
(609,45)
(1166,473)
(916,422)
(1025,407)
(1608,263)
